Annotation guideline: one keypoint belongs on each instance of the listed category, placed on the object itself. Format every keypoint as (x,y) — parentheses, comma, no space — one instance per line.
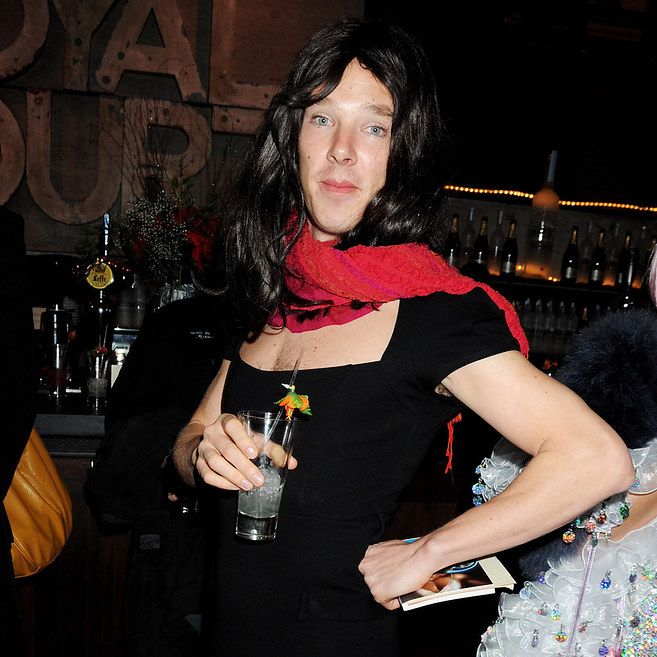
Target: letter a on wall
(175,57)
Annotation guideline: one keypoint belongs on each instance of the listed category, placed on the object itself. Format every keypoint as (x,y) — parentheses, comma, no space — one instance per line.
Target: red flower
(201,236)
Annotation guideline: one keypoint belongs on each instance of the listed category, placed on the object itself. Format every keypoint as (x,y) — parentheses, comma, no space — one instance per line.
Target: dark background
(518,79)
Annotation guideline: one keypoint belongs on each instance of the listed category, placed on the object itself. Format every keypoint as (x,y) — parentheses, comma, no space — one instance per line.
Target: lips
(338,186)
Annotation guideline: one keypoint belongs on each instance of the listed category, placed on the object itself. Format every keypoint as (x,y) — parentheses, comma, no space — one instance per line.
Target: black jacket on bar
(175,357)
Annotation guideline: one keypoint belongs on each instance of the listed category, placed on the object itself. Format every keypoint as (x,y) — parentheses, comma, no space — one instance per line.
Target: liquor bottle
(643,244)
(452,246)
(570,259)
(99,282)
(585,251)
(540,237)
(536,335)
(547,327)
(572,321)
(623,265)
(598,261)
(102,281)
(614,244)
(496,243)
(560,329)
(481,248)
(527,316)
(628,297)
(467,239)
(509,253)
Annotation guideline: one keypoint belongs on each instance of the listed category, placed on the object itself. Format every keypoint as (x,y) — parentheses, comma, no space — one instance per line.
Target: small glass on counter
(97,378)
(55,327)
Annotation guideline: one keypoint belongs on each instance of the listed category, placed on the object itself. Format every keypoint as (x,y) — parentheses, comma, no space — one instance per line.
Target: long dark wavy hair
(257,232)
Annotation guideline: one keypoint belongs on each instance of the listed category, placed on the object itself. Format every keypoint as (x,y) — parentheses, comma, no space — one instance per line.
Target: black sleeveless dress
(302,595)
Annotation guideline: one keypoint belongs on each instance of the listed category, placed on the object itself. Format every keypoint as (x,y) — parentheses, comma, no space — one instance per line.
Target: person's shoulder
(474,300)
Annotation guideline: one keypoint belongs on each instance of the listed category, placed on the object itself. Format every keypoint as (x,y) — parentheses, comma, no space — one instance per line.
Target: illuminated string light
(574,204)
(479,190)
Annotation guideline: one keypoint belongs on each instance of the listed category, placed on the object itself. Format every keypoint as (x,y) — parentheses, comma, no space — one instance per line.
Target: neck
(320,235)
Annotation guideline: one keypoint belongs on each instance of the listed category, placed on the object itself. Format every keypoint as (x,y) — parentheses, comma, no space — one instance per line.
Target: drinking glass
(257,509)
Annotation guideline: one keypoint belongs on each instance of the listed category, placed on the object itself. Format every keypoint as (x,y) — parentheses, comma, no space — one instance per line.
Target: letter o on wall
(27,44)
(12,153)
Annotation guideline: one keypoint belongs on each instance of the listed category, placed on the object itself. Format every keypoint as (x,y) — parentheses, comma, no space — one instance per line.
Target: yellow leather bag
(39,510)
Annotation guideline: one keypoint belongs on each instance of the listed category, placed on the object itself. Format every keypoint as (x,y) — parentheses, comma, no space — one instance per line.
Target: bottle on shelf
(628,297)
(496,243)
(644,246)
(509,253)
(102,281)
(570,259)
(468,239)
(596,313)
(643,241)
(614,244)
(548,327)
(536,336)
(560,329)
(481,247)
(572,321)
(624,267)
(598,261)
(527,316)
(452,245)
(585,251)
(540,237)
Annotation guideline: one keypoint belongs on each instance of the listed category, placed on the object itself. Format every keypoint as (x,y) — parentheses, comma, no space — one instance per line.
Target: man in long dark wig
(331,253)
(407,208)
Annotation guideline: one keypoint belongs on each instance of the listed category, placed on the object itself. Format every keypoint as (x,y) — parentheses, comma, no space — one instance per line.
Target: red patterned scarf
(373,275)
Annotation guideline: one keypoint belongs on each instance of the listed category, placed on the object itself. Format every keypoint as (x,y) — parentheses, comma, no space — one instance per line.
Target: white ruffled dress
(600,601)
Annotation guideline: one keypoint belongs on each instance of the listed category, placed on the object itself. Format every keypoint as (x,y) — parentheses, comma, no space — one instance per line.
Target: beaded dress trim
(600,601)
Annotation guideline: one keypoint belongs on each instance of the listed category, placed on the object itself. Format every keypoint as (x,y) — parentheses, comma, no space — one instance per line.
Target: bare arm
(184,453)
(577,461)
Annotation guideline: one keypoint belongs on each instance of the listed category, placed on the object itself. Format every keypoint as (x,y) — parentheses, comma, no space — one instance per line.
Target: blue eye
(320,120)
(377,130)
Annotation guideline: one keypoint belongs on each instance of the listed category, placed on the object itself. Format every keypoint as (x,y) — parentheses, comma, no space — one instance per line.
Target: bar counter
(70,434)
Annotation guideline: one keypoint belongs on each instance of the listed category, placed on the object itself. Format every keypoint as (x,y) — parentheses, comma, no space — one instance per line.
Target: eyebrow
(380,110)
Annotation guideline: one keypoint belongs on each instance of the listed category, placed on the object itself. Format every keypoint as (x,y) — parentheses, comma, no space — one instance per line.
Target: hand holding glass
(257,509)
